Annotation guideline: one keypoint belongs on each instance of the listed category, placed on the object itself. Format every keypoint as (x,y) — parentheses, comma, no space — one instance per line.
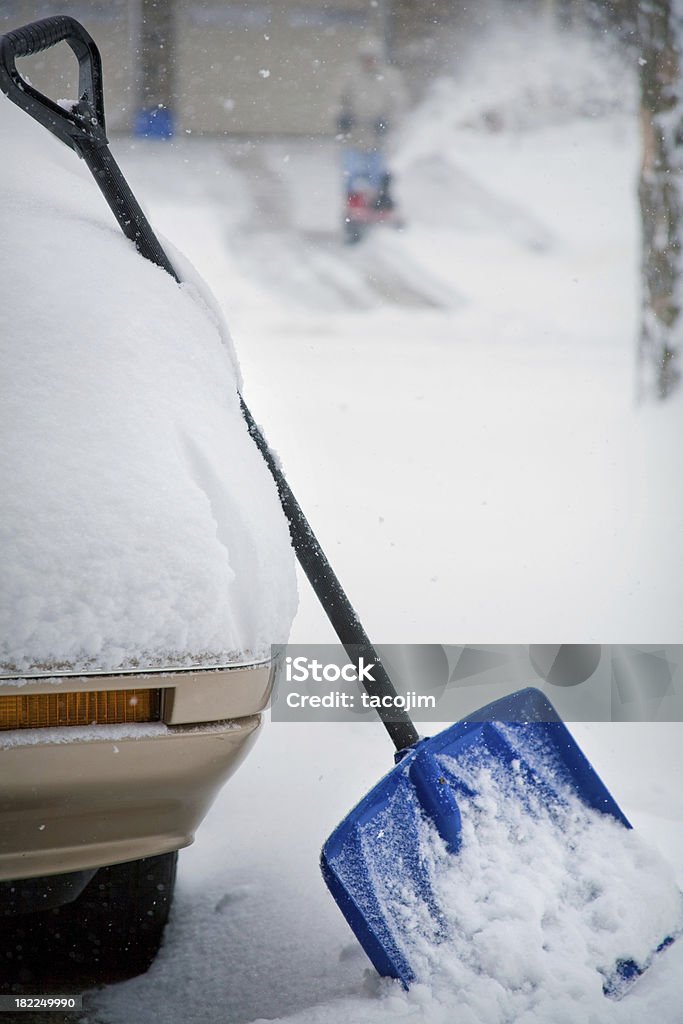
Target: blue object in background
(362,168)
(155,123)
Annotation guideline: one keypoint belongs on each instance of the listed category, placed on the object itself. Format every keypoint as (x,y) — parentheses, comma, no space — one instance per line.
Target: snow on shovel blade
(502,806)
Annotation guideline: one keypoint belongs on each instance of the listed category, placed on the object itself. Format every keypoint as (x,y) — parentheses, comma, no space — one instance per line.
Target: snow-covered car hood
(139,525)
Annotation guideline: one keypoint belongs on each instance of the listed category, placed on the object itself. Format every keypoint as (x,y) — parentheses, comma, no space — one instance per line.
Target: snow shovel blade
(380,847)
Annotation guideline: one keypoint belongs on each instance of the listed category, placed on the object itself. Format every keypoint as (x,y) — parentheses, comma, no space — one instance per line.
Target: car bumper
(79,797)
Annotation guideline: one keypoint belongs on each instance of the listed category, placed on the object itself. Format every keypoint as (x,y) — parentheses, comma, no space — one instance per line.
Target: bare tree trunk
(660,26)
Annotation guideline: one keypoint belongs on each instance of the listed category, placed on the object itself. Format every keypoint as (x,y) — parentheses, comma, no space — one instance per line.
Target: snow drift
(139,524)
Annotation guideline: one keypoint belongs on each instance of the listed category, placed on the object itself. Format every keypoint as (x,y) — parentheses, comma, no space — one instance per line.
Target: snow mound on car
(139,525)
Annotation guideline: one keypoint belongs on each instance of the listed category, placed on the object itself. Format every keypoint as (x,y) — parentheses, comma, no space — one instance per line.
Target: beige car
(139,524)
(104,779)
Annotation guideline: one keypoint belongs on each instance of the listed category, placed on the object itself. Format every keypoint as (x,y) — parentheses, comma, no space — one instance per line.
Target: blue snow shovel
(522,740)
(518,737)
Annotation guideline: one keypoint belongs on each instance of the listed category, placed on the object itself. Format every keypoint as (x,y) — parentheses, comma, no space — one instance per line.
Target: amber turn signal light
(97,707)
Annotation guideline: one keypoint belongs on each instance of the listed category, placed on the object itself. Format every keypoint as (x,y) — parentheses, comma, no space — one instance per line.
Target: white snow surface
(454,406)
(139,523)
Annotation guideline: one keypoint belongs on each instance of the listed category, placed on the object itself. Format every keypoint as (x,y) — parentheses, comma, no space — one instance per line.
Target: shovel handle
(90,142)
(84,122)
(333,598)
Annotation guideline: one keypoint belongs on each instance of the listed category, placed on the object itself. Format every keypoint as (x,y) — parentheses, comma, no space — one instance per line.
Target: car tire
(119,919)
(111,932)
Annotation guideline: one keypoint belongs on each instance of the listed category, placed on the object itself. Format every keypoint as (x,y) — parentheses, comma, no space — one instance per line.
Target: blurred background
(477,404)
(198,65)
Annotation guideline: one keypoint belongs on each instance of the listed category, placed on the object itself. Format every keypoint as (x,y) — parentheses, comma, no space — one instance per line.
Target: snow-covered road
(476,468)
(496,422)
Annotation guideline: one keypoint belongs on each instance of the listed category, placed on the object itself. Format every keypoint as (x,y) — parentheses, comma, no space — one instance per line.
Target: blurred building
(209,66)
(256,67)
(265,66)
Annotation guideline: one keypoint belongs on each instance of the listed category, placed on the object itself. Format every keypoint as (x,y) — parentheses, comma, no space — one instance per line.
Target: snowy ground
(487,405)
(454,406)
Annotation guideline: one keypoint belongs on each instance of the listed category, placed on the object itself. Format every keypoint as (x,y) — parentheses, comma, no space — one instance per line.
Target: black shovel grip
(41,35)
(83,123)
